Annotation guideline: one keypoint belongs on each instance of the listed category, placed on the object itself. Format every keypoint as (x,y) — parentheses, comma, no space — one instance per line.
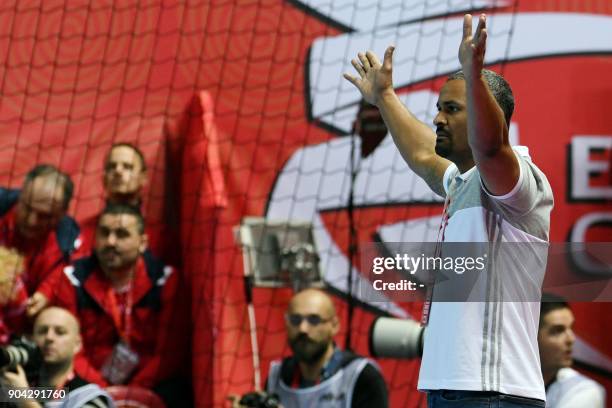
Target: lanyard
(437,253)
(124,326)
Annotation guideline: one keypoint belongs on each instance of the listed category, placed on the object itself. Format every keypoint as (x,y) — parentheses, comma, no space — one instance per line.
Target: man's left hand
(473,47)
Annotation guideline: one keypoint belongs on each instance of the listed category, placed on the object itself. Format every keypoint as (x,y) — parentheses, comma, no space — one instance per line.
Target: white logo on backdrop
(317,177)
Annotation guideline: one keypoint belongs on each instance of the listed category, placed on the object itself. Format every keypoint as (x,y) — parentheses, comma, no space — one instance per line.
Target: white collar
(464,176)
(521,150)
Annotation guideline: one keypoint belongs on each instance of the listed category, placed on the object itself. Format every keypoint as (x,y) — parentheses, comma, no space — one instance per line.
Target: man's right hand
(36,303)
(375,79)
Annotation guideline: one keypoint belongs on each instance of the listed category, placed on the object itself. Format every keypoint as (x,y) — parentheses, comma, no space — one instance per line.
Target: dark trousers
(478,399)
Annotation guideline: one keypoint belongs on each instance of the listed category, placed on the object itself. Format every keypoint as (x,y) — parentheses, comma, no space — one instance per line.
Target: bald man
(57,334)
(33,221)
(318,373)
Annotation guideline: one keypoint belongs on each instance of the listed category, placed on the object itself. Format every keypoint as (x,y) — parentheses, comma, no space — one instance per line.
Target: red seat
(134,397)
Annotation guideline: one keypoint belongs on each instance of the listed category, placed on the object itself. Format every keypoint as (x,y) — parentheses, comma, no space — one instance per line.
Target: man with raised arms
(494,194)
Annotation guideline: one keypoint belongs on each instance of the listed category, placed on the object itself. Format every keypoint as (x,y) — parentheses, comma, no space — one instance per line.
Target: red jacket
(160,240)
(156,333)
(43,260)
(12,312)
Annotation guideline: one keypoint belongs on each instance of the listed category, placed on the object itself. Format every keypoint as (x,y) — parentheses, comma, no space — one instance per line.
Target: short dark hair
(48,170)
(550,303)
(141,158)
(120,209)
(499,88)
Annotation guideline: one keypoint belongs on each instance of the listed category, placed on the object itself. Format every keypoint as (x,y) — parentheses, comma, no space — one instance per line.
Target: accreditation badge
(120,364)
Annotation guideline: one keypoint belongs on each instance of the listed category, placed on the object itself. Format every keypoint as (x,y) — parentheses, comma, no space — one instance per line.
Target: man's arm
(414,139)
(370,389)
(487,129)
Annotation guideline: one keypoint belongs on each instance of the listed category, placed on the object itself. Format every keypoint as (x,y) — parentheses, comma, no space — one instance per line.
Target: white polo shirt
(492,345)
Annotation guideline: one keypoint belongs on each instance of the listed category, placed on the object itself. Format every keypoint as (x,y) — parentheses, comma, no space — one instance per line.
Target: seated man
(318,371)
(56,333)
(125,174)
(34,222)
(124,299)
(565,387)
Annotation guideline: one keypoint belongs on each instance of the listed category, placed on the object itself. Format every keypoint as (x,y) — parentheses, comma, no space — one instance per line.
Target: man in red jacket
(34,222)
(125,174)
(125,301)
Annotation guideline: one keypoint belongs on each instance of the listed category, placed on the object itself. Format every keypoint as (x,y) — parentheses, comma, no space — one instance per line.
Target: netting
(240,109)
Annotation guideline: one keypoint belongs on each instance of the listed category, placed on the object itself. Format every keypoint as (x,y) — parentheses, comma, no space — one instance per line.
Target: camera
(20,351)
(396,338)
(260,400)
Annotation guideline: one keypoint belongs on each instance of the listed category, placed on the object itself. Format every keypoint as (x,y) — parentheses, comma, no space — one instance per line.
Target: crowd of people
(111,300)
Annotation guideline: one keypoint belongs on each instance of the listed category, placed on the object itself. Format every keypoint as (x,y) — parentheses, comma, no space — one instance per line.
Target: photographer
(319,373)
(565,387)
(56,333)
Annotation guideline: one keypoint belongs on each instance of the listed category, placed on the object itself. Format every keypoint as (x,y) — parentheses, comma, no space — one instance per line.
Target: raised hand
(374,78)
(473,47)
(36,303)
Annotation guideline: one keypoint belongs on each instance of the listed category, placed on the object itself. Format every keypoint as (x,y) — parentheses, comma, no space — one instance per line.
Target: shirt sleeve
(530,190)
(370,389)
(97,402)
(588,394)
(450,172)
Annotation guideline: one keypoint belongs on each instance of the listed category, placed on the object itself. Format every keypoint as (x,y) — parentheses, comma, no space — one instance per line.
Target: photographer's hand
(234,399)
(19,380)
(250,400)
(16,380)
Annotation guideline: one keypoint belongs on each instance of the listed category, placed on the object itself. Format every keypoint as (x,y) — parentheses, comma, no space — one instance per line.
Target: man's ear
(144,243)
(79,344)
(143,178)
(335,325)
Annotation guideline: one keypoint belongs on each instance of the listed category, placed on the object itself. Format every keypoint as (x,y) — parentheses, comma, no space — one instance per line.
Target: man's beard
(50,369)
(306,350)
(443,150)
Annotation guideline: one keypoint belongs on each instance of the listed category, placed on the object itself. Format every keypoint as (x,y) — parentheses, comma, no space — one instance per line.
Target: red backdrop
(215,93)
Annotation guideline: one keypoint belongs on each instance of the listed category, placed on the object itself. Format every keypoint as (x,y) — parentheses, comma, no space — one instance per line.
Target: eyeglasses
(295,319)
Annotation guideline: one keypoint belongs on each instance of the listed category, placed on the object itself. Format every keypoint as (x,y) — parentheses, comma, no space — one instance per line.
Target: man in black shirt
(319,373)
